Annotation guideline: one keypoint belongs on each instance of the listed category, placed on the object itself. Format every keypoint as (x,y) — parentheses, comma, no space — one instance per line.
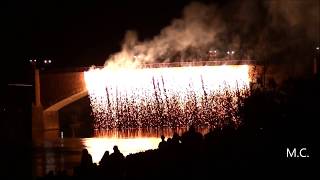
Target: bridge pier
(43,121)
(59,88)
(51,120)
(45,124)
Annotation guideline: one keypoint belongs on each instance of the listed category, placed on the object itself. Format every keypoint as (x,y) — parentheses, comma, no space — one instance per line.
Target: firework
(166,96)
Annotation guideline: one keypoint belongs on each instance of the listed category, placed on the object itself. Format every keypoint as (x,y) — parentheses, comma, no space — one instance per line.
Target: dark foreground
(276,122)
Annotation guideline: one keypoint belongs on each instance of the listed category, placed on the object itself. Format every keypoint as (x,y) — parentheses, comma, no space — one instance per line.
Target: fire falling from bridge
(167,96)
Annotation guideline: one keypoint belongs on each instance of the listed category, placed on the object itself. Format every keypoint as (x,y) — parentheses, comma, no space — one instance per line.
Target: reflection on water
(97,146)
(64,154)
(55,155)
(128,141)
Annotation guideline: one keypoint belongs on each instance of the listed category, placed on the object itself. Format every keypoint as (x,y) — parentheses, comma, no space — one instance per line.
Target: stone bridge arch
(55,89)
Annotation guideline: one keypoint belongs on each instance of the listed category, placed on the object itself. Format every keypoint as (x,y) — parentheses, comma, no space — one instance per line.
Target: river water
(53,152)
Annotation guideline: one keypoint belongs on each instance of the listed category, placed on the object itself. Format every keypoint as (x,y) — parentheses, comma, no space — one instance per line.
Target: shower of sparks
(167,96)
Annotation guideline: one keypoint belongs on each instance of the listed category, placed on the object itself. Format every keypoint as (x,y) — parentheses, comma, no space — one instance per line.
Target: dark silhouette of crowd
(272,120)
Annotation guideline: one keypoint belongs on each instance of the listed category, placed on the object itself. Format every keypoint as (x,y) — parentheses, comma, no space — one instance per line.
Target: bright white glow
(129,141)
(126,97)
(97,146)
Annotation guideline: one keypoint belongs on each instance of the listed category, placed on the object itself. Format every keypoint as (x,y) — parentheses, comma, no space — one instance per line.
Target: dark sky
(73,33)
(79,33)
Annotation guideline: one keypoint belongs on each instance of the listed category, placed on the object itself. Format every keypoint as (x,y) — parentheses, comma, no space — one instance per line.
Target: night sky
(85,33)
(80,33)
(76,33)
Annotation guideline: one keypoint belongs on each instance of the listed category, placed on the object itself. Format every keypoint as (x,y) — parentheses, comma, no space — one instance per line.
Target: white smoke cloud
(246,26)
(196,30)
(296,14)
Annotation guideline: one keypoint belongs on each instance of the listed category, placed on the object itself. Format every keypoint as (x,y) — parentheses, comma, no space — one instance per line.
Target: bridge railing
(173,64)
(200,63)
(195,62)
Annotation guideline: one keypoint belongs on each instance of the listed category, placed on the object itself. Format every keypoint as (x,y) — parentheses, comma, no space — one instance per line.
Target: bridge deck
(165,64)
(199,63)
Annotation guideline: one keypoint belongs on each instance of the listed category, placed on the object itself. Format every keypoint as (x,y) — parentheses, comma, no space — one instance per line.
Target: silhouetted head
(85,153)
(162,137)
(106,154)
(115,149)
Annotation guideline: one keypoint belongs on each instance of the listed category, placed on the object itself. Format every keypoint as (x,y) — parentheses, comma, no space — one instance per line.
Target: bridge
(55,89)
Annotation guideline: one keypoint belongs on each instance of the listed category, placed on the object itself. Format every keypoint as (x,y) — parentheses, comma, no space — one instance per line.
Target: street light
(36,65)
(33,62)
(315,61)
(230,53)
(40,64)
(47,61)
(212,53)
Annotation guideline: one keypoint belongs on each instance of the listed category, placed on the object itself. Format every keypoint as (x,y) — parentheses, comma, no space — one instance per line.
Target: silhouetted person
(163,143)
(104,159)
(191,139)
(86,164)
(175,138)
(116,163)
(86,159)
(104,165)
(191,135)
(116,155)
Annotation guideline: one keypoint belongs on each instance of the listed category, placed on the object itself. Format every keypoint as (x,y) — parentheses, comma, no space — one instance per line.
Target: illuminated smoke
(195,31)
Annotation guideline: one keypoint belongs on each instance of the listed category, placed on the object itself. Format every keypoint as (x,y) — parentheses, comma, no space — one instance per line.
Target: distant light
(20,85)
(49,61)
(317,48)
(215,51)
(45,61)
(228,52)
(30,60)
(34,60)
(232,52)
